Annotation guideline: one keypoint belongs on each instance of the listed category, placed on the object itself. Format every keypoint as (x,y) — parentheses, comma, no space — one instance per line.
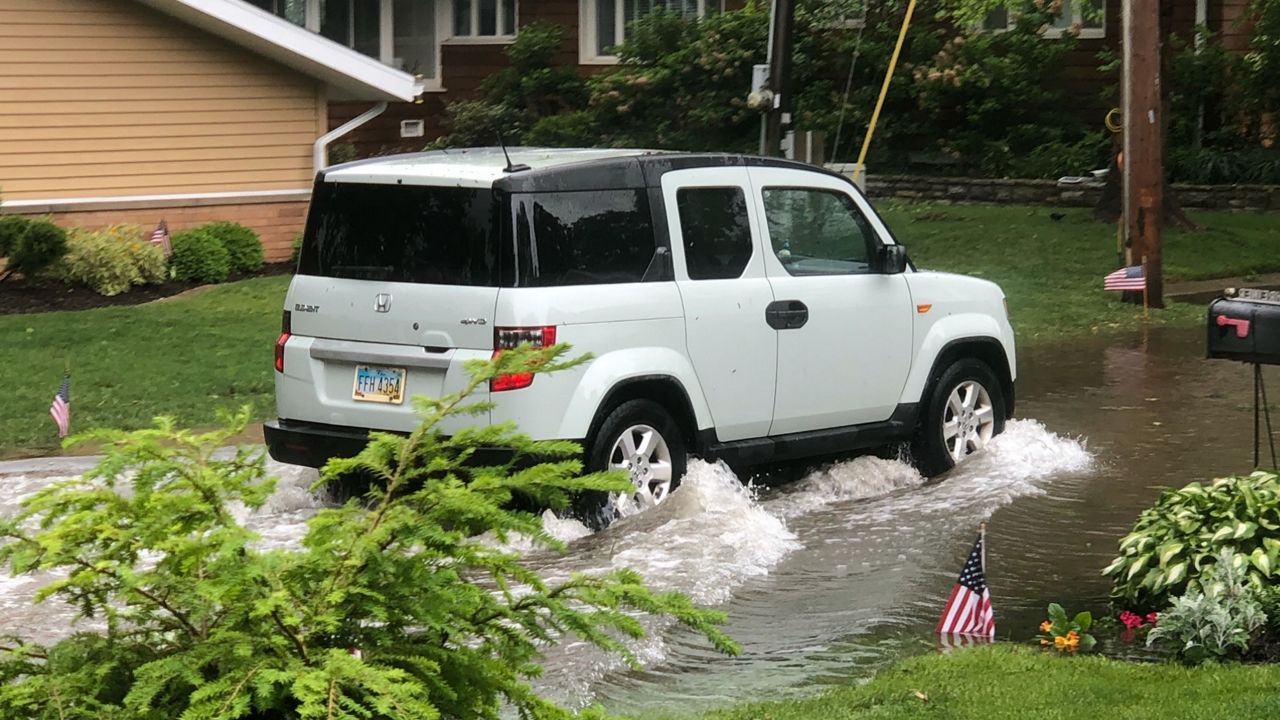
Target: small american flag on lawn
(61,408)
(968,610)
(1126,278)
(160,236)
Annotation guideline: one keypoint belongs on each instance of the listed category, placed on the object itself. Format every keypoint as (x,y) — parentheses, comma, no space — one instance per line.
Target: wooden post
(1143,165)
(778,119)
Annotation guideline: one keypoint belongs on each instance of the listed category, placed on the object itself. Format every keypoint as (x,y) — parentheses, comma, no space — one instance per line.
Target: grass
(191,356)
(1052,270)
(1002,681)
(187,357)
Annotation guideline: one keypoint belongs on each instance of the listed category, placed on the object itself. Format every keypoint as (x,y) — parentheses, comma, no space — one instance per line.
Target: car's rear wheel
(963,412)
(640,438)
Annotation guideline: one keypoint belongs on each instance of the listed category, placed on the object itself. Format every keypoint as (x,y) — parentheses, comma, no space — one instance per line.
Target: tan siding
(103,98)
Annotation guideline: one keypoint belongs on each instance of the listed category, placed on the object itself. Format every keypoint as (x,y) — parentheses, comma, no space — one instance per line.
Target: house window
(605,22)
(1087,15)
(401,33)
(484,19)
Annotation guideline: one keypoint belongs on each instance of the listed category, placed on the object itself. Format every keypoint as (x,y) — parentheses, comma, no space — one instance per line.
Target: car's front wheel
(964,411)
(640,438)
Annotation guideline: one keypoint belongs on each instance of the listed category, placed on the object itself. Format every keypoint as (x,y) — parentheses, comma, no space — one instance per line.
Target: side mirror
(891,260)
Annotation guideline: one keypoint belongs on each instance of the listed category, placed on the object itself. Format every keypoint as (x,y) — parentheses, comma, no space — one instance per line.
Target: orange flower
(1060,642)
(1045,626)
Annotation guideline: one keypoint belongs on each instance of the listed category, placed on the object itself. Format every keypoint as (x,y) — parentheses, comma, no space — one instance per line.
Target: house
(453,45)
(181,110)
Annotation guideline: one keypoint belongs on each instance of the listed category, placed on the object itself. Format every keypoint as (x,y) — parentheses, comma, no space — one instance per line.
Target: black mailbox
(1246,327)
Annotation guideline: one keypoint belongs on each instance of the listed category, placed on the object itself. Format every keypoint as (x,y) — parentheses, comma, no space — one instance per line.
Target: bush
(295,248)
(244,247)
(1215,620)
(111,260)
(512,100)
(1178,539)
(199,256)
(40,245)
(388,608)
(11,228)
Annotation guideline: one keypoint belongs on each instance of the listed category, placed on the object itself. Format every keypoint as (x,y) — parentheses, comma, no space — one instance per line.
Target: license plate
(379,384)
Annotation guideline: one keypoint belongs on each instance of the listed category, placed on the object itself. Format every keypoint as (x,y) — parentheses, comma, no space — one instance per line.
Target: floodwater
(835,574)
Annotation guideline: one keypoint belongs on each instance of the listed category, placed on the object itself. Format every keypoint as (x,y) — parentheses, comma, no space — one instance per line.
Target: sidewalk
(1200,292)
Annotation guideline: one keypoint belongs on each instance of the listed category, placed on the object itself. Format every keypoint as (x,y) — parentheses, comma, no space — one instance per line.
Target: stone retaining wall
(1047,192)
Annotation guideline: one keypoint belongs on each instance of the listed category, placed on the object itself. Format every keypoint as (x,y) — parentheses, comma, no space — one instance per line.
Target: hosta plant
(1180,537)
(389,608)
(1215,619)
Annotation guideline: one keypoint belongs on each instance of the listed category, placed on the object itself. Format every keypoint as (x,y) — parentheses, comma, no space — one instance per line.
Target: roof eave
(358,76)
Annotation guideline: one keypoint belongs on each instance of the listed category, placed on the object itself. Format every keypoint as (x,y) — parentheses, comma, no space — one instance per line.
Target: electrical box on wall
(412,128)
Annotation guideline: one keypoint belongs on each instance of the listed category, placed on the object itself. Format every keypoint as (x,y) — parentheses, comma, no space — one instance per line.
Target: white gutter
(319,155)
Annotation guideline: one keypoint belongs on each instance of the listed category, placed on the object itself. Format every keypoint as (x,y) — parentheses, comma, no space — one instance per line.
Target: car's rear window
(402,233)
(584,238)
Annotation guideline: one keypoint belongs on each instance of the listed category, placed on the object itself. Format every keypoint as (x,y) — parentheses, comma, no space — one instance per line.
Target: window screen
(583,238)
(716,231)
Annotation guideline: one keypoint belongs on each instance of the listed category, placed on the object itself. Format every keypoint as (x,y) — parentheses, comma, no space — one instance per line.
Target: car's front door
(719,268)
(844,329)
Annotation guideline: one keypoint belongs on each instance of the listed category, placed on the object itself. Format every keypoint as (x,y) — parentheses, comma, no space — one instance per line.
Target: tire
(656,475)
(939,442)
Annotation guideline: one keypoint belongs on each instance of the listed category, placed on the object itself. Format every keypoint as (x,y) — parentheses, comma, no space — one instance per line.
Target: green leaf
(1261,560)
(1175,574)
(1223,533)
(1057,615)
(1084,620)
(1168,550)
(1138,564)
(1244,531)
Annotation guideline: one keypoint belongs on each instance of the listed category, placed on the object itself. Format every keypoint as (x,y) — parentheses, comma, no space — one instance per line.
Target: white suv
(742,308)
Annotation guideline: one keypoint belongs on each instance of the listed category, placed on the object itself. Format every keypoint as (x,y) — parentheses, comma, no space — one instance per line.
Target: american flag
(160,236)
(1126,278)
(61,408)
(968,610)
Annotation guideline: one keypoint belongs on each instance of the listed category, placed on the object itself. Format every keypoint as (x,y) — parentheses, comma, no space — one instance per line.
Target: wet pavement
(832,576)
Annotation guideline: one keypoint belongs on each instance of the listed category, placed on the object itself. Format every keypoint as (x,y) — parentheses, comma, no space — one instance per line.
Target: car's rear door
(719,270)
(395,289)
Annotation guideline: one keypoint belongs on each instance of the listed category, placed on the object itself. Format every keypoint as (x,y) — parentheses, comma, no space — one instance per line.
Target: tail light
(511,338)
(285,327)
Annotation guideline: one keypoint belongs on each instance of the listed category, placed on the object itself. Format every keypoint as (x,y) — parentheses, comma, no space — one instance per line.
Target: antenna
(510,168)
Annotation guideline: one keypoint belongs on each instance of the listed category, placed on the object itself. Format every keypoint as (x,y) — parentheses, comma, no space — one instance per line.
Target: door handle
(786,314)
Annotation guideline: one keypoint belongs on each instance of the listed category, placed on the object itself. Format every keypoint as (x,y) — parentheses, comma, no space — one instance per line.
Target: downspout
(319,150)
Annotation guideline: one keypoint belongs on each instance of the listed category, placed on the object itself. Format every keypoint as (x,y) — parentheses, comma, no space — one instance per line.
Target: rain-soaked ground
(831,576)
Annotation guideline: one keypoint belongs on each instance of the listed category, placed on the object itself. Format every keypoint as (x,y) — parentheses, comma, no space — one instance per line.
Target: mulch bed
(19,296)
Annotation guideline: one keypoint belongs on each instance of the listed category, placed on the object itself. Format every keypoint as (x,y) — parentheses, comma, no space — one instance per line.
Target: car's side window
(716,231)
(817,232)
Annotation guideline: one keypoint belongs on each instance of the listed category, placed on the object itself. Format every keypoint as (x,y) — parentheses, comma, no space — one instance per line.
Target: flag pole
(982,537)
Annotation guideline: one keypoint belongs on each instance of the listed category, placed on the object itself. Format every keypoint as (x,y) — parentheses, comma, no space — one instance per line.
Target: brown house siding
(464,67)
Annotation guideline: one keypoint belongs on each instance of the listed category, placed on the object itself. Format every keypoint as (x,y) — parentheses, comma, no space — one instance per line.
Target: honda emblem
(382,303)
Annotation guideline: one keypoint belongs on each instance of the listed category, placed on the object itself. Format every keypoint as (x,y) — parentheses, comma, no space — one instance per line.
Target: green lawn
(188,357)
(1017,683)
(184,357)
(1052,271)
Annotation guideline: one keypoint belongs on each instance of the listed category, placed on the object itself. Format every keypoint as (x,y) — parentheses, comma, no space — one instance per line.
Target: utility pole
(778,119)
(1143,166)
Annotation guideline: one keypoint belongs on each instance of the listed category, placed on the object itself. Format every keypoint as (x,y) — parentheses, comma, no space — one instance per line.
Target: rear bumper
(296,442)
(311,444)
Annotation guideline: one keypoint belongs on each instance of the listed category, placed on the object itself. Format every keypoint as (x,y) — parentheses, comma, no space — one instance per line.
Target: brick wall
(275,222)
(1047,192)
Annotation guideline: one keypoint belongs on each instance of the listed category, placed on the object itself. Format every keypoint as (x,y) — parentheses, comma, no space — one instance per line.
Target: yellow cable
(1115,125)
(884,90)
